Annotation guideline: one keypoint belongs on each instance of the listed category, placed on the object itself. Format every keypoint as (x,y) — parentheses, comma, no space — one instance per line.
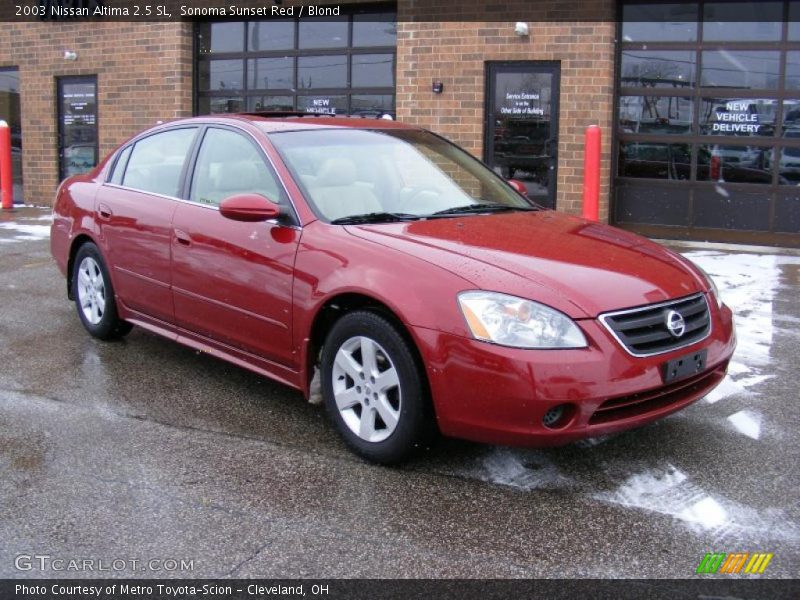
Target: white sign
(519,103)
(321,106)
(735,117)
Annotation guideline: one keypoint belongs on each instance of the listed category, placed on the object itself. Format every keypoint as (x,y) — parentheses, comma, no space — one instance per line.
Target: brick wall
(144,74)
(456,53)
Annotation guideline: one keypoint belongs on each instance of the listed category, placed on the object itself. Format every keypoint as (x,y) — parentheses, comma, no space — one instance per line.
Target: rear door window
(156,162)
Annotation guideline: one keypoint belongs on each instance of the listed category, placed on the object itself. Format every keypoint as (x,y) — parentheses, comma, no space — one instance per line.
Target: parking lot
(148,451)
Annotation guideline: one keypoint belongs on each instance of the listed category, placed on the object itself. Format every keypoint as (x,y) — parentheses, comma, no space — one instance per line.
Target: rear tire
(94,295)
(373,389)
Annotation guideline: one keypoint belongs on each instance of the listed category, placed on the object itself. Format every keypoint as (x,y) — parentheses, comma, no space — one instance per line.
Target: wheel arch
(75,245)
(333,309)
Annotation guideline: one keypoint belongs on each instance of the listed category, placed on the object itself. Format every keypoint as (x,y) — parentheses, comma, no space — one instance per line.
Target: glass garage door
(708,121)
(330,66)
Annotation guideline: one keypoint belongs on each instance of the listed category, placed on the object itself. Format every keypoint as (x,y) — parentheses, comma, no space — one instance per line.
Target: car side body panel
(332,262)
(136,232)
(232,281)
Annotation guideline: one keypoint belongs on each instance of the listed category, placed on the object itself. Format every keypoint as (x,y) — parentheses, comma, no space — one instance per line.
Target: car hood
(579,267)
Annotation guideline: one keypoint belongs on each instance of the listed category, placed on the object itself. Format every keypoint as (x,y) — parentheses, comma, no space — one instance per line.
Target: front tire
(94,295)
(373,389)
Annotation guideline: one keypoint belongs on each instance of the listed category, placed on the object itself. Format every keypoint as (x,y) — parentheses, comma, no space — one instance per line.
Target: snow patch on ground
(517,469)
(747,283)
(22,232)
(669,491)
(747,422)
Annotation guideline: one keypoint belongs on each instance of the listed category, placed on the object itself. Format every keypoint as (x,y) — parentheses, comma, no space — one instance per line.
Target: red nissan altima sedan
(430,293)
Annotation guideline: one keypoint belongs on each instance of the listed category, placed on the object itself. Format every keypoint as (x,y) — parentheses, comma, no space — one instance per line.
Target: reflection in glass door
(10,113)
(77,125)
(521,137)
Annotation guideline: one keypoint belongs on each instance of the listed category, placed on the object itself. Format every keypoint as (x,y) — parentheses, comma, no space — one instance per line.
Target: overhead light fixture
(521,29)
(70,55)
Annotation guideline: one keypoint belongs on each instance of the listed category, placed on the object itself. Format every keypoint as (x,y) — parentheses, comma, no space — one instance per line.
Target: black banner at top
(407,10)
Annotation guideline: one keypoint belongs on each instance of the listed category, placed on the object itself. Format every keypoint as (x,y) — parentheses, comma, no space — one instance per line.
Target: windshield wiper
(480,207)
(374,217)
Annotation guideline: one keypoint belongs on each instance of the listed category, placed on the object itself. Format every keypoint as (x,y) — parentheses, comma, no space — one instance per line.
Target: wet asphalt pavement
(143,449)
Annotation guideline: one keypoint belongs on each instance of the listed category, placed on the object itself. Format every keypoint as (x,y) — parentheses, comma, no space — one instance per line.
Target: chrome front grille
(643,331)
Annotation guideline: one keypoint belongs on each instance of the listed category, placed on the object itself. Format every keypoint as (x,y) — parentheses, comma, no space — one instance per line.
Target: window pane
(323,33)
(157,161)
(734,164)
(322,71)
(270,73)
(751,69)
(373,70)
(270,35)
(78,126)
(742,22)
(655,161)
(738,116)
(372,105)
(647,68)
(793,70)
(791,113)
(329,105)
(119,167)
(375,29)
(789,167)
(226,104)
(220,37)
(659,22)
(270,103)
(220,75)
(647,114)
(794,21)
(229,164)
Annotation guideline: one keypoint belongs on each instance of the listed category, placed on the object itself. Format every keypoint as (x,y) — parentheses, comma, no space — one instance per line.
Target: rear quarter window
(119,166)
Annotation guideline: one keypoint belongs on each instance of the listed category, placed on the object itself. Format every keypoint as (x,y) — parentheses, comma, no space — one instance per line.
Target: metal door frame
(60,81)
(491,68)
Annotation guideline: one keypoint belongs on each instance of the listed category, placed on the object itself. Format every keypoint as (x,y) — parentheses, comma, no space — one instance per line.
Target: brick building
(699,102)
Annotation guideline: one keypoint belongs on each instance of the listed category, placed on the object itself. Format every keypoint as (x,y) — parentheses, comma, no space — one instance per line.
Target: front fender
(330,262)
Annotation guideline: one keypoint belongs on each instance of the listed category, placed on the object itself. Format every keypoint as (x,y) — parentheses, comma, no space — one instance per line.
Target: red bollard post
(591,173)
(6,175)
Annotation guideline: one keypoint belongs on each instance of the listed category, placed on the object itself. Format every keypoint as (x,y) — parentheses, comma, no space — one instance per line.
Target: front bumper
(499,395)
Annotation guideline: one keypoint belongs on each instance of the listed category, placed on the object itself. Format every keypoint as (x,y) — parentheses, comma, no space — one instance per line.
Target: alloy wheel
(366,388)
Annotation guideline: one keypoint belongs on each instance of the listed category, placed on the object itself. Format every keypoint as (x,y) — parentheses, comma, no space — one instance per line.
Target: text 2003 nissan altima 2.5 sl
(430,293)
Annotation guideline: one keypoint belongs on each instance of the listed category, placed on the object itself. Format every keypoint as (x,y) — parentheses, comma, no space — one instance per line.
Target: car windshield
(356,175)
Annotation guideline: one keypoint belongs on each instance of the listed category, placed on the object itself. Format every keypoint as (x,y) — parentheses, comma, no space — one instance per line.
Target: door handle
(104,212)
(182,237)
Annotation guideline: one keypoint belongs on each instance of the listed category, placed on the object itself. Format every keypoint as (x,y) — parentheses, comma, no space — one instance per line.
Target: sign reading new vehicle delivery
(735,117)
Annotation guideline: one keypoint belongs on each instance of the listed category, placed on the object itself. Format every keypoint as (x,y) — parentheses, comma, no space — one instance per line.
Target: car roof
(271,122)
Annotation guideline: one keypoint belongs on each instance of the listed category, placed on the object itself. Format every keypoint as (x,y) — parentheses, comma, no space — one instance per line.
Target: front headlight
(517,322)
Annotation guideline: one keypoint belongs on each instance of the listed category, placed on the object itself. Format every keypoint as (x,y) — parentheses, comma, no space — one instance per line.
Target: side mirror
(249,208)
(519,186)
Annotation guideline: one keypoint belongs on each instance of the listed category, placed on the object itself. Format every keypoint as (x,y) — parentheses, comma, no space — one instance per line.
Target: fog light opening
(558,416)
